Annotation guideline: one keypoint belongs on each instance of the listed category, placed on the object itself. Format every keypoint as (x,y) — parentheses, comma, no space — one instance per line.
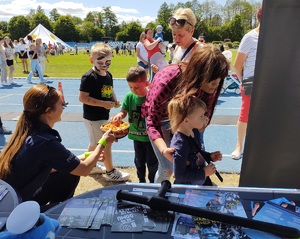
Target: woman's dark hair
(259,12)
(207,64)
(147,29)
(29,38)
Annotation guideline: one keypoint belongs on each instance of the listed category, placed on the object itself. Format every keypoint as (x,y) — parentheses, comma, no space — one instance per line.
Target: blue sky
(125,10)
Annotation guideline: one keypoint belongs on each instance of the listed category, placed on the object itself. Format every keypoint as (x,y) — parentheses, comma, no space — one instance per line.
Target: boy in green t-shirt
(144,154)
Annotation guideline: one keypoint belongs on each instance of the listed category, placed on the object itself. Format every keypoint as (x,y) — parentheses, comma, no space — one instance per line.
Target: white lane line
(117,151)
(5,96)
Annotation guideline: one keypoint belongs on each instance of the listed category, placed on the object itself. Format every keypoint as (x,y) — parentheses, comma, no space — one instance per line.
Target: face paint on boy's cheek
(99,67)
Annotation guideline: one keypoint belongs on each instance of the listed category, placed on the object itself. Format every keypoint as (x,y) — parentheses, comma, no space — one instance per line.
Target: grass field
(74,66)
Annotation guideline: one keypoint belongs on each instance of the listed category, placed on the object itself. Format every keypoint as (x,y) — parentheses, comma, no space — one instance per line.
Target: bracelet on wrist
(86,154)
(162,152)
(102,142)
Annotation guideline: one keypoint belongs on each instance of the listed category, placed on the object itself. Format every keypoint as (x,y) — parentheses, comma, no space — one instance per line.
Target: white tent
(41,32)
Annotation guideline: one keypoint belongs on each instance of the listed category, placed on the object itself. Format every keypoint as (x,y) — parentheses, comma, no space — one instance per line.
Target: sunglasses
(45,100)
(180,22)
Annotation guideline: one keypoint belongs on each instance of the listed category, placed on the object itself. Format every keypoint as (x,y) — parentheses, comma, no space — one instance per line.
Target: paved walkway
(220,135)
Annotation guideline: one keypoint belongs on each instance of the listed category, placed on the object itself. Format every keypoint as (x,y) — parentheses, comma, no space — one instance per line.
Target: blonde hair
(38,40)
(9,44)
(142,37)
(101,49)
(188,15)
(35,101)
(181,106)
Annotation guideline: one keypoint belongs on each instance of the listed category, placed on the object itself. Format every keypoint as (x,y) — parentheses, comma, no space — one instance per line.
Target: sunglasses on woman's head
(180,22)
(46,98)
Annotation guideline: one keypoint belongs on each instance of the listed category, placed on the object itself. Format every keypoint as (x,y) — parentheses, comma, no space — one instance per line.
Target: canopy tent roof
(41,32)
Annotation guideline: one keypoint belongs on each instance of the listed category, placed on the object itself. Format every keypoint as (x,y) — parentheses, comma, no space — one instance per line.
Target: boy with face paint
(98,97)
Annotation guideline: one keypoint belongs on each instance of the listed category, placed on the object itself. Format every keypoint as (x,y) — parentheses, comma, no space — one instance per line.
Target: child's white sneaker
(117,176)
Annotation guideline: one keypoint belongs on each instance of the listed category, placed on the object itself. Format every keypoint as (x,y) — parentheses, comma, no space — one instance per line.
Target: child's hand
(159,39)
(109,137)
(154,68)
(117,104)
(108,104)
(168,154)
(216,156)
(117,118)
(209,170)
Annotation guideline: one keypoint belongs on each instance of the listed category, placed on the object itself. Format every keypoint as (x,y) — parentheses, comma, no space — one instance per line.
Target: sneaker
(117,176)
(98,169)
(29,82)
(5,131)
(13,83)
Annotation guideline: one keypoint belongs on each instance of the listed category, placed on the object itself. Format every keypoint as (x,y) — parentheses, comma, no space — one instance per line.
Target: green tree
(163,15)
(95,18)
(131,32)
(39,9)
(54,15)
(31,13)
(236,28)
(65,29)
(246,15)
(151,25)
(134,30)
(110,20)
(41,18)
(18,26)
(214,34)
(89,32)
(4,27)
(77,20)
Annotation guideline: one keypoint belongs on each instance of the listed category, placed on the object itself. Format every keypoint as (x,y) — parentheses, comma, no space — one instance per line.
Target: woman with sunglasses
(183,24)
(202,76)
(34,161)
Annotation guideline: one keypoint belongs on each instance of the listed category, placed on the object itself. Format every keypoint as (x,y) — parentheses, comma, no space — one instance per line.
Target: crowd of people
(36,51)
(167,117)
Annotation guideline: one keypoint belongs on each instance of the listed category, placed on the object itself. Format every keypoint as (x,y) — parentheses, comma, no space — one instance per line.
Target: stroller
(231,82)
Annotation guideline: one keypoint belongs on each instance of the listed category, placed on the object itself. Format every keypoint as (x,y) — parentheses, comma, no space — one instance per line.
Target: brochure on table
(123,216)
